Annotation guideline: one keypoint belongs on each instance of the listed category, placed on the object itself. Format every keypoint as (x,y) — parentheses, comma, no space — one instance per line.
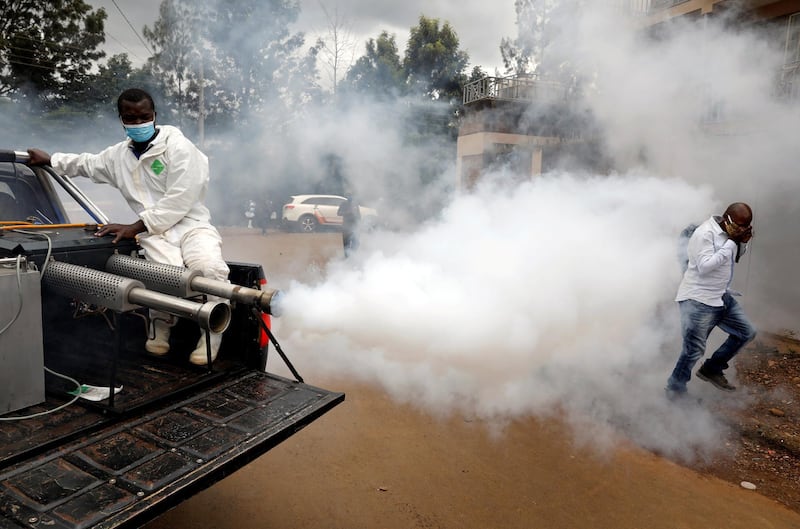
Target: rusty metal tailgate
(131,470)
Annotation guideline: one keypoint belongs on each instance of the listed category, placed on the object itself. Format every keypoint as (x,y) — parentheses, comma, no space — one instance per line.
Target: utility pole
(201,125)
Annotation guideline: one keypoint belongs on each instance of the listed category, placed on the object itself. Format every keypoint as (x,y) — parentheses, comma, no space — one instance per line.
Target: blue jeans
(697,322)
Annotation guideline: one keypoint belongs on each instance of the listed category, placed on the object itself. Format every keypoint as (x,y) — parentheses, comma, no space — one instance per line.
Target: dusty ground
(370,463)
(765,446)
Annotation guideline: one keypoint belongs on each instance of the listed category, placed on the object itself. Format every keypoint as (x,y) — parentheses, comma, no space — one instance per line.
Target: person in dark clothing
(351,217)
(264,214)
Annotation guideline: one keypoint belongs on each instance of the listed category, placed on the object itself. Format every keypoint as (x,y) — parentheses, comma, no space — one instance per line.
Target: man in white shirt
(164,178)
(705,301)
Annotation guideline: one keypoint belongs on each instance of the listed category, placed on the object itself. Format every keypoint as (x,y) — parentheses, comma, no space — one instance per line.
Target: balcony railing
(647,7)
(513,89)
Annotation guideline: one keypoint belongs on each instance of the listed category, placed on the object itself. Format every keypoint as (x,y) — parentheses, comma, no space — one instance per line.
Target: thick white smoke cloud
(700,103)
(556,295)
(551,295)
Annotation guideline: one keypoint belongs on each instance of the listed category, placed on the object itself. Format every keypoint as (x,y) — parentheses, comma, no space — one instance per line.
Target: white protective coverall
(166,188)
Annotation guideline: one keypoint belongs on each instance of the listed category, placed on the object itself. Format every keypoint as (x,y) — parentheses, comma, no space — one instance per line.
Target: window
(791,58)
(792,40)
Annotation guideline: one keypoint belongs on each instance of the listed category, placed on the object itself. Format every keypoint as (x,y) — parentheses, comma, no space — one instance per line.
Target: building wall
(484,151)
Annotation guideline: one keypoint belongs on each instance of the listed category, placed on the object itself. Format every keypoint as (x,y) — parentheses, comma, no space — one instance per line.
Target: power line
(67,46)
(115,39)
(41,39)
(132,28)
(42,67)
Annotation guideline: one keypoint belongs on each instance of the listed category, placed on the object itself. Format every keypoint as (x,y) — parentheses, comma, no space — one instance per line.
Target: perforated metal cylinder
(166,278)
(90,285)
(124,294)
(182,282)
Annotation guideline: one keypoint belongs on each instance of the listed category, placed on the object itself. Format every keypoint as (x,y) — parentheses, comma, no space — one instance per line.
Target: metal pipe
(183,282)
(212,316)
(124,294)
(267,300)
(80,197)
(21,157)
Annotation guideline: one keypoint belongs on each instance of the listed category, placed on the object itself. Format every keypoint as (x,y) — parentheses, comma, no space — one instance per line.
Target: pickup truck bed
(123,472)
(172,430)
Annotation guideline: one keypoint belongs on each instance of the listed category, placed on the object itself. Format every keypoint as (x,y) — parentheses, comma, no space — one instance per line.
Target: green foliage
(48,48)
(431,75)
(230,61)
(434,65)
(476,74)
(176,38)
(378,72)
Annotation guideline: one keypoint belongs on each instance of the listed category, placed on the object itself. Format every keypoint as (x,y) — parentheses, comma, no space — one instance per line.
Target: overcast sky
(479,24)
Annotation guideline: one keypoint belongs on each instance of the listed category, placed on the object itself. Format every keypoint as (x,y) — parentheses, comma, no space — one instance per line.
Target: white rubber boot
(159,345)
(199,356)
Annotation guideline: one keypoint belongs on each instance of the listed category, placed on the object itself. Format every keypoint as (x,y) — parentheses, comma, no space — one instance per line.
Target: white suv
(309,212)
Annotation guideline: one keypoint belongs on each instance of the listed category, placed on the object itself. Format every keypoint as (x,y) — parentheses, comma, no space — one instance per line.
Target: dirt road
(371,463)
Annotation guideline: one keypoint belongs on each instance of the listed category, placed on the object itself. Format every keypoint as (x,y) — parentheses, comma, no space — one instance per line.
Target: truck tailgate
(131,470)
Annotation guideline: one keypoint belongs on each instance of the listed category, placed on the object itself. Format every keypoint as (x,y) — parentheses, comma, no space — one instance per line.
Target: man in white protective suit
(164,178)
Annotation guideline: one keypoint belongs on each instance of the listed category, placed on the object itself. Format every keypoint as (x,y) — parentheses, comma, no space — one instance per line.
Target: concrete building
(506,124)
(521,123)
(780,20)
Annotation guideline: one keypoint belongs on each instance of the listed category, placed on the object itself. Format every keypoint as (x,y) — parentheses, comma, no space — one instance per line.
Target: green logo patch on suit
(157,166)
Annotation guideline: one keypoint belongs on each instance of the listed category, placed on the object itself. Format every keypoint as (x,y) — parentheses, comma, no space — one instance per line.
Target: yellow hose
(46,226)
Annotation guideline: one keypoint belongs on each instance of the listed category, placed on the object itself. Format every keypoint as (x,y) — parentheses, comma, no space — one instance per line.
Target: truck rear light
(263,339)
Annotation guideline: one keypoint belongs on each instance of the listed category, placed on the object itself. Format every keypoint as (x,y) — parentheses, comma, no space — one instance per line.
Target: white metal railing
(646,7)
(790,80)
(513,89)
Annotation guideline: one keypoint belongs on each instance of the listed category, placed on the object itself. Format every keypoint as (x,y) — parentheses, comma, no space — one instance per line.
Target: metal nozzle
(212,316)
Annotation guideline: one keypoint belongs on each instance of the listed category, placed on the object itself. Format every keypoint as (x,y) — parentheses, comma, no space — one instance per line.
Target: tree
(116,75)
(526,53)
(48,48)
(176,44)
(233,61)
(258,54)
(378,72)
(476,74)
(433,63)
(337,48)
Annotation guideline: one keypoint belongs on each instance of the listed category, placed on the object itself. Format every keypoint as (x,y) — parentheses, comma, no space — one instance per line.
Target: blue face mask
(142,132)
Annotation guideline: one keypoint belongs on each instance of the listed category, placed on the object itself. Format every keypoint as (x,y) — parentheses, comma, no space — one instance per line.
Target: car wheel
(307,223)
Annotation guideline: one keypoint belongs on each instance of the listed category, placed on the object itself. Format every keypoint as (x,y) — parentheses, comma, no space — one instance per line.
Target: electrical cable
(49,244)
(57,408)
(115,39)
(46,41)
(132,28)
